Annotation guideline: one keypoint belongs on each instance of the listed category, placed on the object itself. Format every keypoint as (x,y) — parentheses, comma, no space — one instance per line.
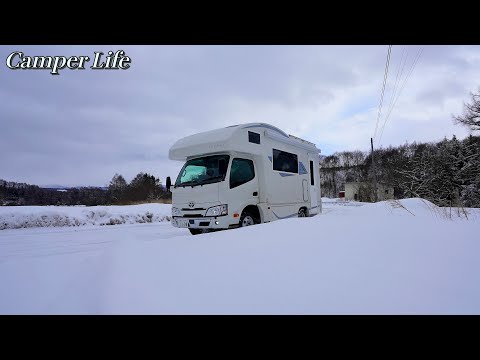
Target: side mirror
(169,183)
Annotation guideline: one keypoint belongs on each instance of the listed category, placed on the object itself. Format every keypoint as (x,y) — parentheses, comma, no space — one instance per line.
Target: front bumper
(220,222)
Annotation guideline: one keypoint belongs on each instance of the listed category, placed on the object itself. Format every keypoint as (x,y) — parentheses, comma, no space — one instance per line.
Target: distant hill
(61,187)
(56,186)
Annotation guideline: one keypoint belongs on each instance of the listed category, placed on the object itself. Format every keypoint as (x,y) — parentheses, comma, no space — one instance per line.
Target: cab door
(243,184)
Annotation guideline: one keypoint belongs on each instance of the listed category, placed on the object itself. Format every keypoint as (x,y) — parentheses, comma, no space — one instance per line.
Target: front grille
(192,215)
(204,223)
(189,209)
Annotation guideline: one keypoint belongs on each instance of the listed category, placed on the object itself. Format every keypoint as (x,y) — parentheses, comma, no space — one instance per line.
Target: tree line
(446,173)
(143,188)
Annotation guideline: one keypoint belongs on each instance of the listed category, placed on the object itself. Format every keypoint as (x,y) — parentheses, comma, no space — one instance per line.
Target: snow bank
(405,207)
(58,216)
(367,259)
(17,217)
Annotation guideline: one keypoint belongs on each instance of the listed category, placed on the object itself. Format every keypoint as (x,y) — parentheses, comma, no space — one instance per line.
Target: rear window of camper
(284,161)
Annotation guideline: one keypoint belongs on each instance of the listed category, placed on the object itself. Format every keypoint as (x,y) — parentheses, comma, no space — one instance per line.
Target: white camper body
(241,175)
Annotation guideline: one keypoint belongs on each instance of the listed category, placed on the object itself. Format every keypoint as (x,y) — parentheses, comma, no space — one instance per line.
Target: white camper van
(243,175)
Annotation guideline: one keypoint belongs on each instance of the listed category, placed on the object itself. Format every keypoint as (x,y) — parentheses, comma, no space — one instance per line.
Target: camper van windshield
(204,170)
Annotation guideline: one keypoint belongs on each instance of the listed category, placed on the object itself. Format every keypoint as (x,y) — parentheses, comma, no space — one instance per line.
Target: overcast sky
(83,126)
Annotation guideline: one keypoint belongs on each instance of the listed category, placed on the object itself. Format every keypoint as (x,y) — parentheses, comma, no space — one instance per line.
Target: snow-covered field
(405,257)
(17,217)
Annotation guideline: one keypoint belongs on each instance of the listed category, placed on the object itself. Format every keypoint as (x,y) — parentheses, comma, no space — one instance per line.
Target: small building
(363,191)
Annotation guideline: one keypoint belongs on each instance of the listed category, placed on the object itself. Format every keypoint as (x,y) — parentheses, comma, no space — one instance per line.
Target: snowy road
(45,242)
(352,259)
(40,266)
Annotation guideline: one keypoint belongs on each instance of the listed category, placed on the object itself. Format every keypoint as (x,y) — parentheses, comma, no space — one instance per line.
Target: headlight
(176,212)
(219,210)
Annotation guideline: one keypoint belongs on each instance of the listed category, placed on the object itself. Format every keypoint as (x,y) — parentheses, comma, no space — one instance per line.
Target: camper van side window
(284,161)
(253,137)
(312,177)
(242,171)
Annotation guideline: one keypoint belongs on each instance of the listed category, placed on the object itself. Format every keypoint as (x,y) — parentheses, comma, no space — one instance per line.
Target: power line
(383,88)
(399,75)
(397,82)
(398,95)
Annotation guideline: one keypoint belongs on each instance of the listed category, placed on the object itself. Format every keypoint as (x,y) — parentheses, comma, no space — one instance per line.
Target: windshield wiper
(209,180)
(206,181)
(188,183)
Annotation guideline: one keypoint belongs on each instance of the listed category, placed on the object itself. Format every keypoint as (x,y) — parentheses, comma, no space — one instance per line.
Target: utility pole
(374,175)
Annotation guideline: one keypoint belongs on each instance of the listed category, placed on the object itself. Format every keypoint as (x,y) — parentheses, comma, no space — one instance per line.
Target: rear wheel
(302,213)
(247,219)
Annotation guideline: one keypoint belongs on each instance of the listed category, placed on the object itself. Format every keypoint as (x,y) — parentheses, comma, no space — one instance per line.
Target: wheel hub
(247,221)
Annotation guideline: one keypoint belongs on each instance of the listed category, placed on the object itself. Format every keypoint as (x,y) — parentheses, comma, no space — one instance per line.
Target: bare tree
(117,188)
(471,113)
(118,182)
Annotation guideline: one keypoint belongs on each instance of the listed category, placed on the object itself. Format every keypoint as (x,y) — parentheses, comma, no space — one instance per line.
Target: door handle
(255,193)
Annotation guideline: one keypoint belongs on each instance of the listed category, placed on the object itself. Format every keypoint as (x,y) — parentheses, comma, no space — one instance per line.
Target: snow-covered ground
(406,257)
(16,217)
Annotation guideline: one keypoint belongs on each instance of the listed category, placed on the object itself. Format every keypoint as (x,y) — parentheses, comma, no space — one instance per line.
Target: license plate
(182,223)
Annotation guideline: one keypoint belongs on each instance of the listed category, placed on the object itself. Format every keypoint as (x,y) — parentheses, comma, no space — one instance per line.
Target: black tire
(247,219)
(302,213)
(198,231)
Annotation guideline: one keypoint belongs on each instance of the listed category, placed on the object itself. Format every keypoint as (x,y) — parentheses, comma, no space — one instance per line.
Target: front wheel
(247,219)
(198,231)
